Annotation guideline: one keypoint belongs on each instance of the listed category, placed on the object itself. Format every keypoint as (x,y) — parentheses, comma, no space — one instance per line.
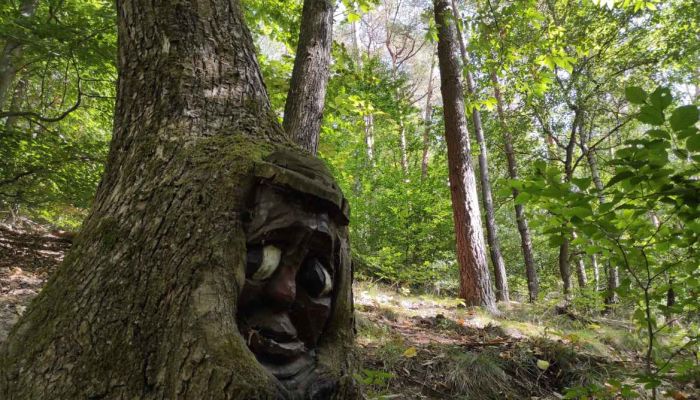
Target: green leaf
(687,132)
(522,198)
(582,183)
(658,134)
(410,352)
(651,115)
(680,153)
(542,364)
(661,98)
(353,17)
(619,177)
(635,95)
(693,143)
(555,241)
(684,117)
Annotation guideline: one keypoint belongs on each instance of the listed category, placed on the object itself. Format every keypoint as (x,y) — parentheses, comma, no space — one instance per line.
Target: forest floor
(429,347)
(29,253)
(411,346)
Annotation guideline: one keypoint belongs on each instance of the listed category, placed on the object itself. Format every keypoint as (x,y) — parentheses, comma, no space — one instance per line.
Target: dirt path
(28,255)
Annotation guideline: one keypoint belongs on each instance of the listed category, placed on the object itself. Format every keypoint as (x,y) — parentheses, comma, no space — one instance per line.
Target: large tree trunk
(475,282)
(499,266)
(303,111)
(521,219)
(144,305)
(11,51)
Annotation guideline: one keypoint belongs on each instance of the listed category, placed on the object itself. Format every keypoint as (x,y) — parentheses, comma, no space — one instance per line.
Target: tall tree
(499,266)
(427,120)
(145,305)
(303,111)
(520,218)
(475,282)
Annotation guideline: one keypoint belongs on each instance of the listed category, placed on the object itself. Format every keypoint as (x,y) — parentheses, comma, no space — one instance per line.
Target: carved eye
(316,279)
(262,261)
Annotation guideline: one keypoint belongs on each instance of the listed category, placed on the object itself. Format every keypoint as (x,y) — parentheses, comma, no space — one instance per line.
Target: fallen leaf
(542,364)
(410,352)
(676,395)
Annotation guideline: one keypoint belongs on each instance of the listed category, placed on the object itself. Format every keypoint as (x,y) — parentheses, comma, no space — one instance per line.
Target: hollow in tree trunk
(214,262)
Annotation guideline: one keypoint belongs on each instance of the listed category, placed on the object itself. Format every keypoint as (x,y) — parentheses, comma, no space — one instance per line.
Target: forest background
(595,102)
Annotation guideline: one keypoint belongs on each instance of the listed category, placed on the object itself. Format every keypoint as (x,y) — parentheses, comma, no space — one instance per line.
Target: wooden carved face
(285,304)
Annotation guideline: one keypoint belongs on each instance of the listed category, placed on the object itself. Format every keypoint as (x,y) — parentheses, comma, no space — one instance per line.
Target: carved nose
(282,288)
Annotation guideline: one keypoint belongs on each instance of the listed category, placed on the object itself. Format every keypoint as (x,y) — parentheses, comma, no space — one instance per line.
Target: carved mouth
(281,353)
(275,345)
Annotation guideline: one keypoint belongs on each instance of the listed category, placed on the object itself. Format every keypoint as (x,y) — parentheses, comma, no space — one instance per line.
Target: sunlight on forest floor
(428,347)
(410,346)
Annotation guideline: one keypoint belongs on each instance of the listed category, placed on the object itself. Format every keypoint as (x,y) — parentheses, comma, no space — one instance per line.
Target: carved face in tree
(294,242)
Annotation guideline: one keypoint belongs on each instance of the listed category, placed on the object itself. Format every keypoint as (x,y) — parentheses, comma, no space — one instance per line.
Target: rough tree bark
(11,51)
(144,305)
(475,282)
(303,111)
(521,219)
(499,266)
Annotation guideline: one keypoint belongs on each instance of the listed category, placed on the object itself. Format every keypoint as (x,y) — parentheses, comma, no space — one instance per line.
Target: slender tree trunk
(427,122)
(403,146)
(596,271)
(11,51)
(580,268)
(581,272)
(670,293)
(521,219)
(356,38)
(613,280)
(564,269)
(303,111)
(499,267)
(144,305)
(369,138)
(475,282)
(564,248)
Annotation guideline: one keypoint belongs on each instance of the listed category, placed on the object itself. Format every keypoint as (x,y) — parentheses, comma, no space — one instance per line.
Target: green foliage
(400,222)
(647,225)
(52,152)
